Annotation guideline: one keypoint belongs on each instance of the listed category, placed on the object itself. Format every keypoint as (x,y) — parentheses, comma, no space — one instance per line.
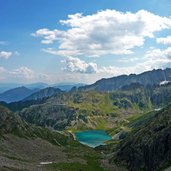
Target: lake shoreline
(92,138)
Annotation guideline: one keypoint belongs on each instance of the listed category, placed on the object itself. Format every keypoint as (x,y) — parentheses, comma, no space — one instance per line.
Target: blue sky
(82,41)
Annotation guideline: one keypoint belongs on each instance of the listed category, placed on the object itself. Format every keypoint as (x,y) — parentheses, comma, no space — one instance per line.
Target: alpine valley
(39,132)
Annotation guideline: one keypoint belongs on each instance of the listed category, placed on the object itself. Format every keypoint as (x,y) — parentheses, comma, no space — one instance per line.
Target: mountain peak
(16,94)
(154,77)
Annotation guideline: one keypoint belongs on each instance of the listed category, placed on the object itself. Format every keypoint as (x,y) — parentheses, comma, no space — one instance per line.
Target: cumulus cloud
(75,65)
(157,58)
(48,35)
(80,66)
(5,54)
(110,71)
(153,59)
(156,54)
(164,40)
(102,33)
(23,73)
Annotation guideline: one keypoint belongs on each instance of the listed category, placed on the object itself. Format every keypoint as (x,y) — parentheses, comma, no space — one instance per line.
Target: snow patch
(44,163)
(164,82)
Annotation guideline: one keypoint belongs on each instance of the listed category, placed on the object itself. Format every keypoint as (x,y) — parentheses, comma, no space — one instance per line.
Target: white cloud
(77,65)
(103,33)
(158,54)
(5,54)
(23,73)
(157,58)
(153,59)
(164,40)
(48,35)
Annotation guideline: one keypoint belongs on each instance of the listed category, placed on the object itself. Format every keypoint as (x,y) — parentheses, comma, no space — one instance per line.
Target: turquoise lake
(92,138)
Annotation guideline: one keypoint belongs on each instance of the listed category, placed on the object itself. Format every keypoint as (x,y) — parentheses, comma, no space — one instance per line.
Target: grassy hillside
(78,110)
(25,147)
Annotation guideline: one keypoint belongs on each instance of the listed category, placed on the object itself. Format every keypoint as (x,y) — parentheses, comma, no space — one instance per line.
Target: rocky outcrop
(149,146)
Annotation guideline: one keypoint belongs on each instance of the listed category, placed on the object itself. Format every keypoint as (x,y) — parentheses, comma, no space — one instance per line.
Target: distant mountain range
(8,86)
(154,77)
(36,86)
(47,92)
(150,78)
(16,94)
(63,86)
(68,87)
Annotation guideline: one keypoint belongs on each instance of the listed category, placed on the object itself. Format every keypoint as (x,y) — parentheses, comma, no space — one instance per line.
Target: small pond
(92,138)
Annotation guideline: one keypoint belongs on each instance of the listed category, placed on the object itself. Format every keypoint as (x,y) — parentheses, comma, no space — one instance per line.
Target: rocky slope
(148,147)
(24,147)
(155,77)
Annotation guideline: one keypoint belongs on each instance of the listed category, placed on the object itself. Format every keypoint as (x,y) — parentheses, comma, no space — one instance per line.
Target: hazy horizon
(70,83)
